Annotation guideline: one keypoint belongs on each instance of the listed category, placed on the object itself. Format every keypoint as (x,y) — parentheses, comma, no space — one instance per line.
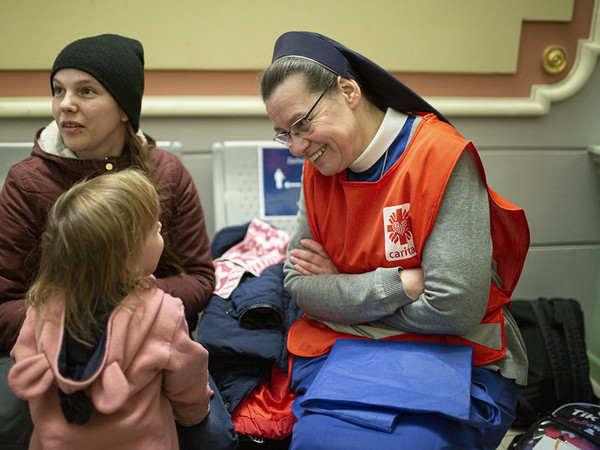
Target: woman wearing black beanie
(97,85)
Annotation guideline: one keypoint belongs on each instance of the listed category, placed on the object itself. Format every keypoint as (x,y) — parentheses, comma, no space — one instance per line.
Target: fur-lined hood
(51,142)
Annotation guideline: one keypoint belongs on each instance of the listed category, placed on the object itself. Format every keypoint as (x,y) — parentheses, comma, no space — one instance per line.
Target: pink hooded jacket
(151,374)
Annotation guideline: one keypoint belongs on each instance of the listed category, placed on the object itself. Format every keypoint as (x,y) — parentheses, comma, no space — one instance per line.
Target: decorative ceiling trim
(538,103)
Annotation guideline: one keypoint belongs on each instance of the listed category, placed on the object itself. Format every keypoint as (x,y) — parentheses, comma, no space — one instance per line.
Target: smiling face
(336,136)
(91,122)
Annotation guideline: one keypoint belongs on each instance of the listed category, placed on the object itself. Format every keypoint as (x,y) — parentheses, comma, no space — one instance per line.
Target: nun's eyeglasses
(299,127)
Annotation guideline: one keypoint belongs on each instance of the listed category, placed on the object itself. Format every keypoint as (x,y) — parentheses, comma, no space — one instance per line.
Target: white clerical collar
(392,123)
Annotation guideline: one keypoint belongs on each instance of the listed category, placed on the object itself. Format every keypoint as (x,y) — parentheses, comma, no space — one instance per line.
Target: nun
(403,261)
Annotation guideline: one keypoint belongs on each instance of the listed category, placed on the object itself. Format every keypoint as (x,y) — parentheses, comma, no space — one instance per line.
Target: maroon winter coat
(33,185)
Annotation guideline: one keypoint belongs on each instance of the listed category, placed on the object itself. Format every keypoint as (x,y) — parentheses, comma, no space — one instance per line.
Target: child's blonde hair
(88,249)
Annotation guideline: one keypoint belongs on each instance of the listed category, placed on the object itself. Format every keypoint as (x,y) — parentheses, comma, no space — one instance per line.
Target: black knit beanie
(115,61)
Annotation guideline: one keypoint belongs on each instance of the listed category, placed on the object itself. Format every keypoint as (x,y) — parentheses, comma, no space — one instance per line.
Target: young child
(104,357)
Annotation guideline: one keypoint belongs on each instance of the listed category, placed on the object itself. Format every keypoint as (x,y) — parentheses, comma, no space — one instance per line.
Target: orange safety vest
(366,225)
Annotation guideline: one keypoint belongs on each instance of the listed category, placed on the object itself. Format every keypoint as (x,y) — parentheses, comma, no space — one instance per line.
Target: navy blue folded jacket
(246,334)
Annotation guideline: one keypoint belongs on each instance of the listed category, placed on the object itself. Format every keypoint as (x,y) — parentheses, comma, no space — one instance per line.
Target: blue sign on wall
(281,181)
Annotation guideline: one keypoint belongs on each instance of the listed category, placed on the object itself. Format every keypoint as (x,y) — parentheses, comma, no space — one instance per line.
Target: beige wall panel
(468,36)
(558,10)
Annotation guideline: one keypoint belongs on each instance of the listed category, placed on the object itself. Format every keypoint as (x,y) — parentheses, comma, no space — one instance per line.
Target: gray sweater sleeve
(456,261)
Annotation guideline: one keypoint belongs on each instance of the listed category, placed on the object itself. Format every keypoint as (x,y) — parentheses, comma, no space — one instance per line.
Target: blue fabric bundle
(383,379)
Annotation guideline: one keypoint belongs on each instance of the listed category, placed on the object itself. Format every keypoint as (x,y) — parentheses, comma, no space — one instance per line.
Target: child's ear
(131,264)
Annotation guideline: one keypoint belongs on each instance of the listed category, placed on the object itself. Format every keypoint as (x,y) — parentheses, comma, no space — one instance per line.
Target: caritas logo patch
(399,243)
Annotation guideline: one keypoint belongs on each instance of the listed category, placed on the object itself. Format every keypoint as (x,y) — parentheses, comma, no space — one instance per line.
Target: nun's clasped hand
(313,261)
